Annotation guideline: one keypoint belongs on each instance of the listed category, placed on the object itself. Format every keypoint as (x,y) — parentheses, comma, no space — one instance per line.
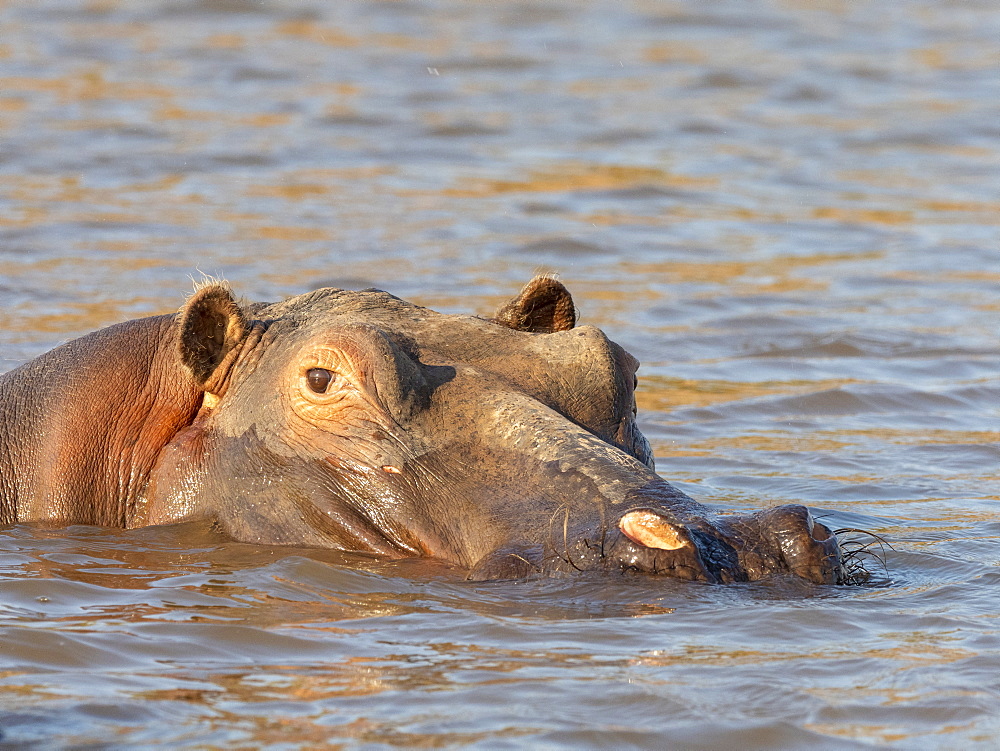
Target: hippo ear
(543,306)
(211,325)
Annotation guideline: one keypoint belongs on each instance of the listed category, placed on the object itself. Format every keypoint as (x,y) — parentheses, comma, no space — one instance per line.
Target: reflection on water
(786,210)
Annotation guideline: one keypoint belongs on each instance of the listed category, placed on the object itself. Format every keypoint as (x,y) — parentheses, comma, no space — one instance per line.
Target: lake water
(787,210)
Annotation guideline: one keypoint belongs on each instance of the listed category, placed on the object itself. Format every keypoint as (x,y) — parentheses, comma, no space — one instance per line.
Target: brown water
(787,210)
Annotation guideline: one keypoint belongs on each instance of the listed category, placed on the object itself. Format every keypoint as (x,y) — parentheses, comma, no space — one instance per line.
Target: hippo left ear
(211,325)
(543,306)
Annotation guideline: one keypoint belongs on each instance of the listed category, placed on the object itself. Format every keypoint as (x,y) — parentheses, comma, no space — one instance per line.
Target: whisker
(604,528)
(522,558)
(569,558)
(856,555)
(879,538)
(552,544)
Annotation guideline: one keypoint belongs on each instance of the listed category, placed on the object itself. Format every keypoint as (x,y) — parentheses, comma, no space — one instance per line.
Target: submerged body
(356,420)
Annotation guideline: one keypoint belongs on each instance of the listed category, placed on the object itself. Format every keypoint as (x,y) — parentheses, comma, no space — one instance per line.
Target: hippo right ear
(211,325)
(543,306)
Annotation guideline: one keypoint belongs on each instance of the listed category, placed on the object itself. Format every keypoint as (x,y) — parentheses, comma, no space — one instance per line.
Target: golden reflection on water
(838,441)
(87,85)
(292,234)
(773,441)
(930,436)
(75,318)
(866,732)
(663,393)
(573,176)
(863,216)
(296,185)
(446,667)
(317,33)
(725,271)
(914,651)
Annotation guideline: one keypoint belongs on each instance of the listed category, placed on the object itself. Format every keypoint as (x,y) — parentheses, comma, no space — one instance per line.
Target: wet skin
(359,421)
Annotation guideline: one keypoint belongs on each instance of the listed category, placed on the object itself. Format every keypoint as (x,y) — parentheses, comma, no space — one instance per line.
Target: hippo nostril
(651,530)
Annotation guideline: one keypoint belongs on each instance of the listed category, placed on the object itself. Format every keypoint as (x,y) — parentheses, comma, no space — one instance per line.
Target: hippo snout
(648,540)
(786,539)
(781,540)
(808,547)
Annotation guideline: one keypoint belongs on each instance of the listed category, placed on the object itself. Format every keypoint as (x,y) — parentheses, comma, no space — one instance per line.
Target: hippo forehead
(578,367)
(335,302)
(462,337)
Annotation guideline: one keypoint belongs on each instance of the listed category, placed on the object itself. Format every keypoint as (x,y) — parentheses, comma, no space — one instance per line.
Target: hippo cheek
(357,446)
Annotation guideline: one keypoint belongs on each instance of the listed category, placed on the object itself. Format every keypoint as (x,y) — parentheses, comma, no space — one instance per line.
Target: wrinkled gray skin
(358,421)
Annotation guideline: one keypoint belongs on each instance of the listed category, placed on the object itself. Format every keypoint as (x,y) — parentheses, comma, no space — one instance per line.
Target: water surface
(787,210)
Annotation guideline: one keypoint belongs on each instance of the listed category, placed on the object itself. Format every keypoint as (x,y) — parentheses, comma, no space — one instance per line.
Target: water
(787,210)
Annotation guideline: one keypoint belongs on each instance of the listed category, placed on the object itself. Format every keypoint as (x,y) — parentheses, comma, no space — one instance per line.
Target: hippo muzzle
(612,511)
(785,539)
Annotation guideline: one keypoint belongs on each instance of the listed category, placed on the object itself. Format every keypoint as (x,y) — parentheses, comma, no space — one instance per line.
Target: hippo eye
(319,379)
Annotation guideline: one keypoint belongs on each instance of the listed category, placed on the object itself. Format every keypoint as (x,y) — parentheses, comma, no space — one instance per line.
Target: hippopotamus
(354,420)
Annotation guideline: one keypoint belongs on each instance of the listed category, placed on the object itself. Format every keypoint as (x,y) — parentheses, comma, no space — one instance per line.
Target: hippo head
(359,421)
